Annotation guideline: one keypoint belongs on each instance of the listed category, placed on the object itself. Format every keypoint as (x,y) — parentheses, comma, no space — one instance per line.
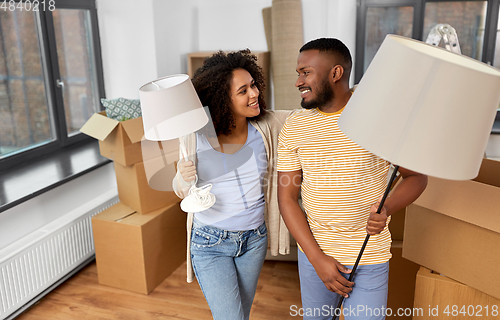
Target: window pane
(24,117)
(468,18)
(76,64)
(383,21)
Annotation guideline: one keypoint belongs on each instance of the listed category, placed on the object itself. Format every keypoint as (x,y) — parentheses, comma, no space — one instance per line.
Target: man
(341,184)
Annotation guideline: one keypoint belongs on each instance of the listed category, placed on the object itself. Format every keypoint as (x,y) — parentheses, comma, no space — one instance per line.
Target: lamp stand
(351,276)
(198,199)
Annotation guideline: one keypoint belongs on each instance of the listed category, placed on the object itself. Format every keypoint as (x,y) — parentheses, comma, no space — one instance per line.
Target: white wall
(143,42)
(176,34)
(232,25)
(128,45)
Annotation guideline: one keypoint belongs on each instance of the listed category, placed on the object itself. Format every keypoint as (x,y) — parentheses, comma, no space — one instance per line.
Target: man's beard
(325,95)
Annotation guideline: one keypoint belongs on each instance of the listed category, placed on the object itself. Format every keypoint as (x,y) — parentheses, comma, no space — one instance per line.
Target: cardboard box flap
(134,129)
(489,173)
(141,219)
(115,212)
(469,201)
(99,126)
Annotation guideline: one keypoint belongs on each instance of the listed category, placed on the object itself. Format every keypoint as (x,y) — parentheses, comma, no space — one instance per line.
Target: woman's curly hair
(212,82)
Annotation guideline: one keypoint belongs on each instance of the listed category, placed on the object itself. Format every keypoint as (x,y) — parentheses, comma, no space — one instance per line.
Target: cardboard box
(135,191)
(402,274)
(436,297)
(137,252)
(119,141)
(454,229)
(396,226)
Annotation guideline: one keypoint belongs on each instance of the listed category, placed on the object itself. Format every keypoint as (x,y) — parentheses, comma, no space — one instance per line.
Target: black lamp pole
(338,310)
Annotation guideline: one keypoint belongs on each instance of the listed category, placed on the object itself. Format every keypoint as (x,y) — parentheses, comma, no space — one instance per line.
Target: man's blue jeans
(227,265)
(368,299)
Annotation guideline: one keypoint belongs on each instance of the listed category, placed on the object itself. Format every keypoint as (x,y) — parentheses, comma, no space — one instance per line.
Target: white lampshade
(424,108)
(170,108)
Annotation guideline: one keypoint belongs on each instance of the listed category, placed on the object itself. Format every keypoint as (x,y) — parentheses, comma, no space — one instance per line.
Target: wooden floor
(81,297)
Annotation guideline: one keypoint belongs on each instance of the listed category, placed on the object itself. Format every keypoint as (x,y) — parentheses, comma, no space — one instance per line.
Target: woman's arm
(186,170)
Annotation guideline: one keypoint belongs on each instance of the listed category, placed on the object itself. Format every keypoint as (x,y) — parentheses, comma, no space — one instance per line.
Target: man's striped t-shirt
(340,181)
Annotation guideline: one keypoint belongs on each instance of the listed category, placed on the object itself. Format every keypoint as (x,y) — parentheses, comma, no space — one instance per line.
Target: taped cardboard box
(454,229)
(402,274)
(439,297)
(119,141)
(137,252)
(396,226)
(136,182)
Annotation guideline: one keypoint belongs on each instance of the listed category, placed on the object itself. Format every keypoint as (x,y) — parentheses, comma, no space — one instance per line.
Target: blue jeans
(227,265)
(367,300)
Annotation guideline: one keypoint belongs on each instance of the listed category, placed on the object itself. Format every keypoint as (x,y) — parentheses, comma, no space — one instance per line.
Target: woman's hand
(187,169)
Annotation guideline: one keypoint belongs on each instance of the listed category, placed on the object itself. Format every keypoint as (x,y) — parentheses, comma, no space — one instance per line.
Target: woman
(227,243)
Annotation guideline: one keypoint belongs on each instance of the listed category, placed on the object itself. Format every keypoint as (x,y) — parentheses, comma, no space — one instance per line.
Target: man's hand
(328,270)
(376,221)
(407,191)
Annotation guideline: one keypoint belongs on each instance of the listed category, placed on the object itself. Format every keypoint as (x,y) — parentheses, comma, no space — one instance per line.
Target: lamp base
(338,310)
(199,199)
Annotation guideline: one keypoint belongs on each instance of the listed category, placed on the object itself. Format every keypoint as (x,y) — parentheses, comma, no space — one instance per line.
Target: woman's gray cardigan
(278,235)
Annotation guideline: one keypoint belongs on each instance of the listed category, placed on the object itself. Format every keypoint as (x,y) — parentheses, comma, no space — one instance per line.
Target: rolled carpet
(287,38)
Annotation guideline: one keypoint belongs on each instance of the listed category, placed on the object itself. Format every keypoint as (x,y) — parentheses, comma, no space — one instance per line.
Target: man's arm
(326,267)
(407,191)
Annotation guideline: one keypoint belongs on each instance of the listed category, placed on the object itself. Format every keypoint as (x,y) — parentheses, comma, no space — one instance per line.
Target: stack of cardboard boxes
(402,272)
(453,229)
(142,239)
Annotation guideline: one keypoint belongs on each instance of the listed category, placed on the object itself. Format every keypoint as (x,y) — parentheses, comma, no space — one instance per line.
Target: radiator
(36,262)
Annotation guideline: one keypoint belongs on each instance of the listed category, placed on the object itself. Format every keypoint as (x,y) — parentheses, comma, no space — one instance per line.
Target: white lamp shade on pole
(424,108)
(171,108)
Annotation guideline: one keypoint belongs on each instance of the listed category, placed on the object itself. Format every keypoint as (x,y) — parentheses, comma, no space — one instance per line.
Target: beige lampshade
(424,108)
(170,108)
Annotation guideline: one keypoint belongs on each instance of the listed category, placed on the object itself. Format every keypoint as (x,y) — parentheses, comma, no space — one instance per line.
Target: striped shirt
(340,181)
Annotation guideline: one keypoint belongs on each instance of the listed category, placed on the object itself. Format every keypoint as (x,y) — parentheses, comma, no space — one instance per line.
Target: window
(50,76)
(496,59)
(381,21)
(475,21)
(468,18)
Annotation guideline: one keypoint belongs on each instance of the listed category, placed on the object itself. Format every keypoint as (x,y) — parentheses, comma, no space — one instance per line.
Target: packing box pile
(119,141)
(453,228)
(402,274)
(439,297)
(137,252)
(139,164)
(142,239)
